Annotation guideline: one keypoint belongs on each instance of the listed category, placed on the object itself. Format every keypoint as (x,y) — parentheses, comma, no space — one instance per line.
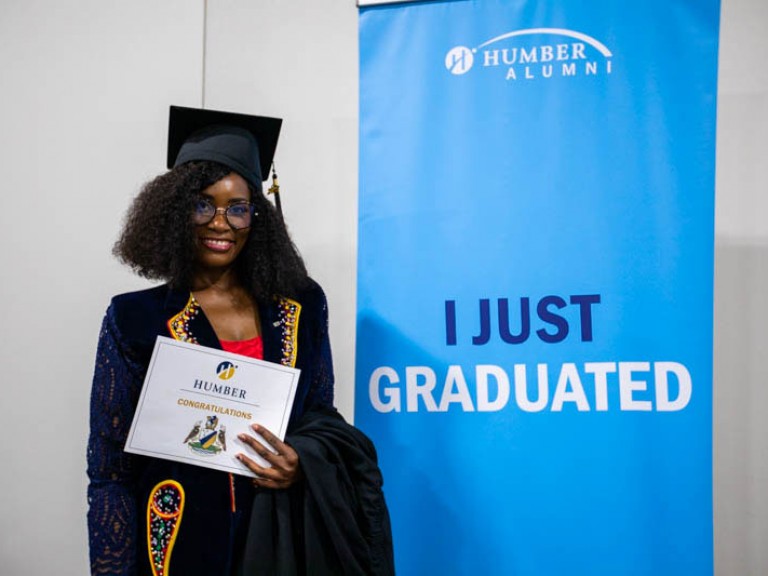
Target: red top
(253,347)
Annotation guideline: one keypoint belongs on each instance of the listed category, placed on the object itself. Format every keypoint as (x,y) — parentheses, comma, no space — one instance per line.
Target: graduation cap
(246,144)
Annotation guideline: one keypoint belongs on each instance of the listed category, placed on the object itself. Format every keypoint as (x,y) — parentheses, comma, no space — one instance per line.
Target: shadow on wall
(740,406)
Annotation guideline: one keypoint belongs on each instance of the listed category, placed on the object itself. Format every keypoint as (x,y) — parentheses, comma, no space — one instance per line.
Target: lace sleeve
(321,389)
(112,519)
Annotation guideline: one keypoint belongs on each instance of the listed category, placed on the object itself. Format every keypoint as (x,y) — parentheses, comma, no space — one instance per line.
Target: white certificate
(196,400)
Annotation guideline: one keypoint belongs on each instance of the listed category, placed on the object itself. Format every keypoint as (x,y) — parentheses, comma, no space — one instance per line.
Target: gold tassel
(275,189)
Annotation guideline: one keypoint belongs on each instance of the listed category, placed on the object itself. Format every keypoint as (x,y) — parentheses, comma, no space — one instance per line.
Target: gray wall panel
(83,108)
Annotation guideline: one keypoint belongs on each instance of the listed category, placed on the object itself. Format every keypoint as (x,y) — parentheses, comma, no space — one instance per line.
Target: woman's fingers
(271,439)
(284,461)
(259,448)
(265,477)
(261,471)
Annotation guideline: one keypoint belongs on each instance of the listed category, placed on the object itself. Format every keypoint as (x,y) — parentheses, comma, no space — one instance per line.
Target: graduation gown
(130,535)
(333,523)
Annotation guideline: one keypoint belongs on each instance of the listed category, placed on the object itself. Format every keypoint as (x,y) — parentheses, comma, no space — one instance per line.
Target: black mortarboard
(246,144)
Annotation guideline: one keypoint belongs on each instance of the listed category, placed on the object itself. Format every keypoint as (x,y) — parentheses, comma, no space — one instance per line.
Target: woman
(234,281)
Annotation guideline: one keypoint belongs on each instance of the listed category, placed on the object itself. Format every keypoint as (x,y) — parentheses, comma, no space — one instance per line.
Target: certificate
(196,400)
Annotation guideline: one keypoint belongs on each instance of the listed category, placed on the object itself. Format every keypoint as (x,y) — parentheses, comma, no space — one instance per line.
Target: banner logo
(559,52)
(226,370)
(459,60)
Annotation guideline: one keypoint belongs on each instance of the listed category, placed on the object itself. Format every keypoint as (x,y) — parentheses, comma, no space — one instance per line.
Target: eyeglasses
(238,215)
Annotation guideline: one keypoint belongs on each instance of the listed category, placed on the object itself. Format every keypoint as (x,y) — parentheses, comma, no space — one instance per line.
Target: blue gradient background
(473,187)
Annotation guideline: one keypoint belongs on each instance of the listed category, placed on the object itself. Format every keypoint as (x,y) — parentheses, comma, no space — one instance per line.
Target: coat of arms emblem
(207,439)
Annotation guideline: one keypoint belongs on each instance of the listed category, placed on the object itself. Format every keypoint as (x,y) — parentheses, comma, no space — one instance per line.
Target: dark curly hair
(157,240)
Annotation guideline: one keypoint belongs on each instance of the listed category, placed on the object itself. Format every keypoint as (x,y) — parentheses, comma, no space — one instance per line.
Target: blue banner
(534,340)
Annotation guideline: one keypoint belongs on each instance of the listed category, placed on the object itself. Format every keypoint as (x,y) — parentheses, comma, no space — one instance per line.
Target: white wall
(741,289)
(82,122)
(83,112)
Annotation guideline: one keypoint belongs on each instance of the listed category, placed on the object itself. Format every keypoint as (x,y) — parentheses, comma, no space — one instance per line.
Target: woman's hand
(285,468)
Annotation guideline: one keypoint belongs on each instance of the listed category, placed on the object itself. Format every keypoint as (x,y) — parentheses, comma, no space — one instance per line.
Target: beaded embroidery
(164,510)
(289,311)
(179,325)
(288,314)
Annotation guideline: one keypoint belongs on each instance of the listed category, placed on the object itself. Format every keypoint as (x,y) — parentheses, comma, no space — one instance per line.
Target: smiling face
(217,244)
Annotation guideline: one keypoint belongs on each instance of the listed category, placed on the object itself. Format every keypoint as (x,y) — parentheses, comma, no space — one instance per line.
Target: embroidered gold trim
(289,311)
(178,325)
(164,510)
